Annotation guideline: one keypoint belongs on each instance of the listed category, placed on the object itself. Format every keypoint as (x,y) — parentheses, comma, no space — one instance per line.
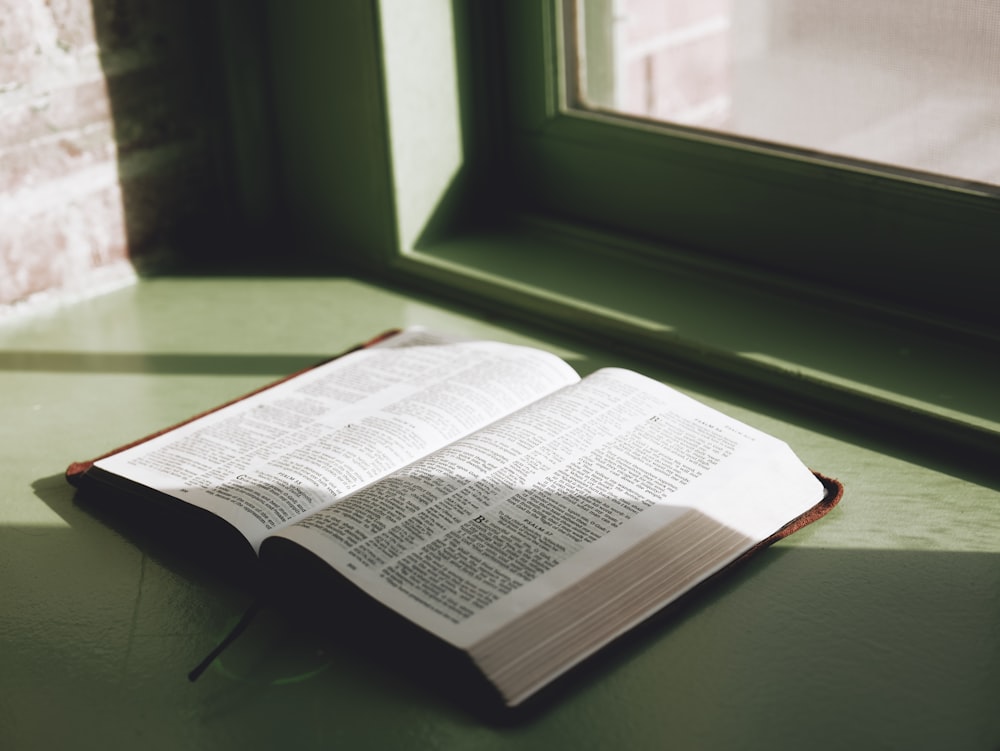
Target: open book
(485,492)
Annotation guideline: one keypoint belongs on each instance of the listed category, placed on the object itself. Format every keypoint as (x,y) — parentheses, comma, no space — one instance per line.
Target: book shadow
(192,543)
(360,634)
(896,638)
(202,549)
(400,652)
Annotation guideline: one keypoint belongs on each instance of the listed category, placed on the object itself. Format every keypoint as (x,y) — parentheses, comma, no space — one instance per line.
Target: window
(900,84)
(897,238)
(448,160)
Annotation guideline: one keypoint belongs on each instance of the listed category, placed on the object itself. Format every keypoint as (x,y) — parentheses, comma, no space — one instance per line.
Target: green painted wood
(424,117)
(331,141)
(400,168)
(252,167)
(899,239)
(876,627)
(809,348)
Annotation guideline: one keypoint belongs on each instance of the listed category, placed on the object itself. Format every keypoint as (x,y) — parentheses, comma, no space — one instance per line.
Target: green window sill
(921,380)
(387,164)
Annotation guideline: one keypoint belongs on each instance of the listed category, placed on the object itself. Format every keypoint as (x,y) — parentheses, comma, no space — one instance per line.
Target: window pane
(913,84)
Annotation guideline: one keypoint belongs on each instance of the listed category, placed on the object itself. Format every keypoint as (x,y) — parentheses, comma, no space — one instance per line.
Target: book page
(273,457)
(468,538)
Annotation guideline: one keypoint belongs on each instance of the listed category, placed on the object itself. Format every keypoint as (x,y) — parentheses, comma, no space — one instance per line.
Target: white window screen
(905,83)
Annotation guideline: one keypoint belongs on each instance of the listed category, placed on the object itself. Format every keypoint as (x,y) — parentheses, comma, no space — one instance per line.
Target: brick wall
(105,138)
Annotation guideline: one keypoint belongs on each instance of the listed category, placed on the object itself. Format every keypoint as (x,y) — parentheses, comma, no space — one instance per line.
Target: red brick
(57,248)
(73,22)
(56,110)
(35,163)
(65,131)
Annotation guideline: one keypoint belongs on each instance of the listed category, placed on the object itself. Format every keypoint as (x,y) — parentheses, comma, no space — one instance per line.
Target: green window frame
(903,239)
(415,140)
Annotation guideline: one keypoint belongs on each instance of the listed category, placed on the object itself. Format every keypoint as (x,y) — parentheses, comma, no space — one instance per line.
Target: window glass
(907,84)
